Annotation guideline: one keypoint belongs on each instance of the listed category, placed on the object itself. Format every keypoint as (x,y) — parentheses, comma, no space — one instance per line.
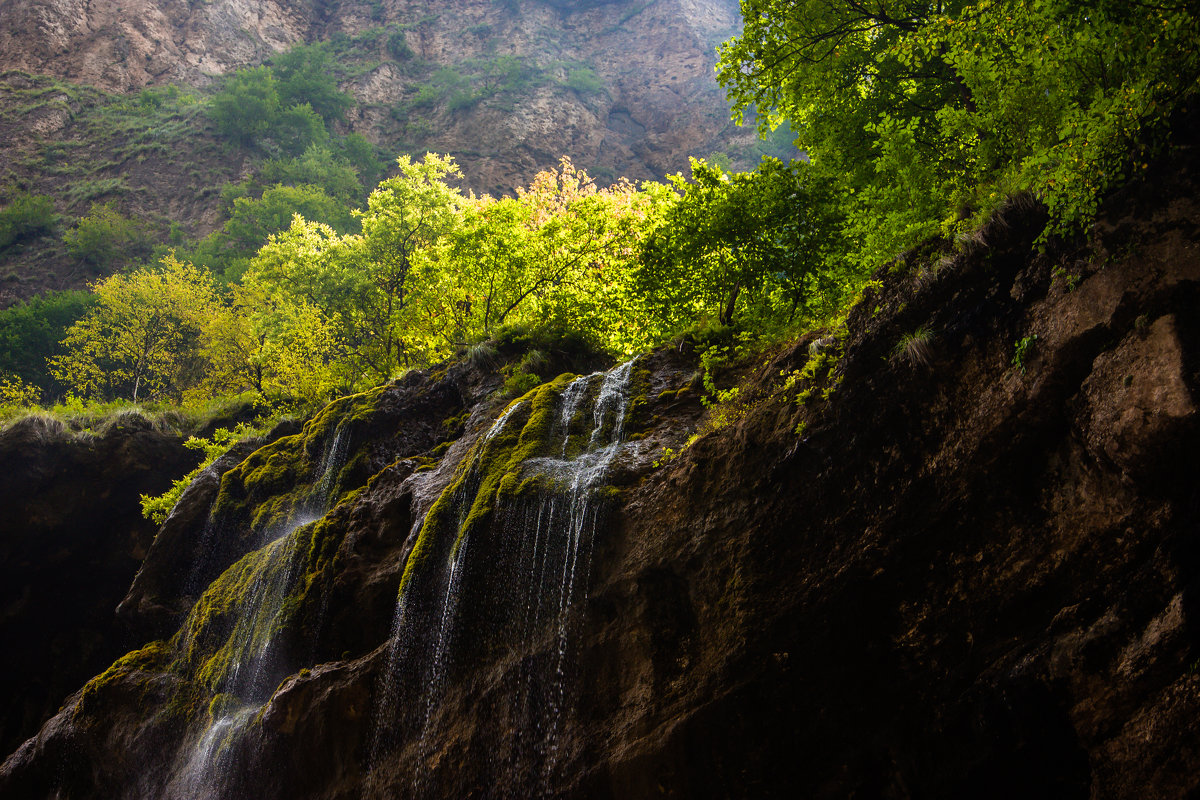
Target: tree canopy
(926,111)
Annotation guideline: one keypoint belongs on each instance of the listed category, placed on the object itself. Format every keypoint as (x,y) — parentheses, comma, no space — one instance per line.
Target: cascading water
(514,533)
(404,638)
(250,660)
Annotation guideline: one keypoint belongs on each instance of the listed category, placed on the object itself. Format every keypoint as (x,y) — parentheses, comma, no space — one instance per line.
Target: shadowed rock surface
(71,538)
(951,572)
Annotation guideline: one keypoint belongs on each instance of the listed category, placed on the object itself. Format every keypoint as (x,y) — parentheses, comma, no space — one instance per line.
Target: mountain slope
(623,88)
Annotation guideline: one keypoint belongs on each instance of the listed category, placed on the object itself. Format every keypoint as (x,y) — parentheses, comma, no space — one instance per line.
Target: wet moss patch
(489,471)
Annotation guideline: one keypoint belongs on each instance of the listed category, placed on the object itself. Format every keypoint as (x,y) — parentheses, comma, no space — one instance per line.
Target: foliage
(106,237)
(915,348)
(361,156)
(30,333)
(1022,349)
(559,253)
(584,80)
(156,508)
(24,217)
(918,109)
(142,340)
(318,167)
(766,237)
(305,75)
(397,46)
(283,107)
(15,393)
(248,105)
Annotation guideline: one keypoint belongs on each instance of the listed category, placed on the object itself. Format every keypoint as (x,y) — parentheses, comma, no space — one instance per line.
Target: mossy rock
(277,480)
(490,470)
(260,602)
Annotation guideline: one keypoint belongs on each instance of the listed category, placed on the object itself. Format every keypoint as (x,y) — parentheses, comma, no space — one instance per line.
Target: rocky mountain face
(624,88)
(656,103)
(945,550)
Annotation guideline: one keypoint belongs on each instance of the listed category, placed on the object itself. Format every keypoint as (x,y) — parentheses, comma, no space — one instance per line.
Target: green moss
(455,423)
(490,471)
(279,478)
(255,600)
(222,704)
(154,658)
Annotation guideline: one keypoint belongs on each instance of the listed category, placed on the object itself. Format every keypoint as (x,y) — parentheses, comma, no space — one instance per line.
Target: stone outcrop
(71,538)
(944,550)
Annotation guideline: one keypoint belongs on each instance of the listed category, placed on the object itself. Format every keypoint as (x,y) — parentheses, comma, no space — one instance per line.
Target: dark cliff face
(71,538)
(964,565)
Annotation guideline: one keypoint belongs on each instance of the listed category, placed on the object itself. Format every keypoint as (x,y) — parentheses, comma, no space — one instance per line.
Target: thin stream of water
(544,548)
(205,773)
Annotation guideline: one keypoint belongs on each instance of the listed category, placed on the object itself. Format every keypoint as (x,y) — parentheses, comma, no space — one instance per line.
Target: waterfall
(249,664)
(500,566)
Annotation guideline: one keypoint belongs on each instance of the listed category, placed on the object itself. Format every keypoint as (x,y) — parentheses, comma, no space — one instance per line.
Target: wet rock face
(71,539)
(967,576)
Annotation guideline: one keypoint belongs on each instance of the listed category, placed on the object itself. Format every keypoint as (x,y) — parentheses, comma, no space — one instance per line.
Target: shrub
(106,236)
(247,105)
(584,80)
(915,348)
(397,46)
(25,216)
(305,76)
(156,508)
(30,333)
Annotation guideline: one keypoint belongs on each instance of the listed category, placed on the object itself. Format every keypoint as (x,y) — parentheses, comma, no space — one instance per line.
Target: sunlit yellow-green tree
(143,339)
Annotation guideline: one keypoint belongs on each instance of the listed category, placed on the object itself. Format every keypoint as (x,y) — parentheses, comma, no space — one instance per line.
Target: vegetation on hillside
(917,119)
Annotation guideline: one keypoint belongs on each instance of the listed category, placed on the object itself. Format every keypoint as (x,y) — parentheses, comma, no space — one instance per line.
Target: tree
(106,236)
(31,332)
(248,105)
(305,75)
(764,238)
(558,256)
(307,285)
(275,344)
(143,338)
(411,211)
(317,166)
(912,107)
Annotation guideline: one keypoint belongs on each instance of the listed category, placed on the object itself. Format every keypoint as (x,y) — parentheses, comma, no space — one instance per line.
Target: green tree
(143,338)
(248,104)
(252,220)
(308,285)
(912,107)
(296,129)
(558,257)
(106,237)
(318,166)
(30,333)
(409,212)
(363,156)
(766,239)
(274,343)
(305,75)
